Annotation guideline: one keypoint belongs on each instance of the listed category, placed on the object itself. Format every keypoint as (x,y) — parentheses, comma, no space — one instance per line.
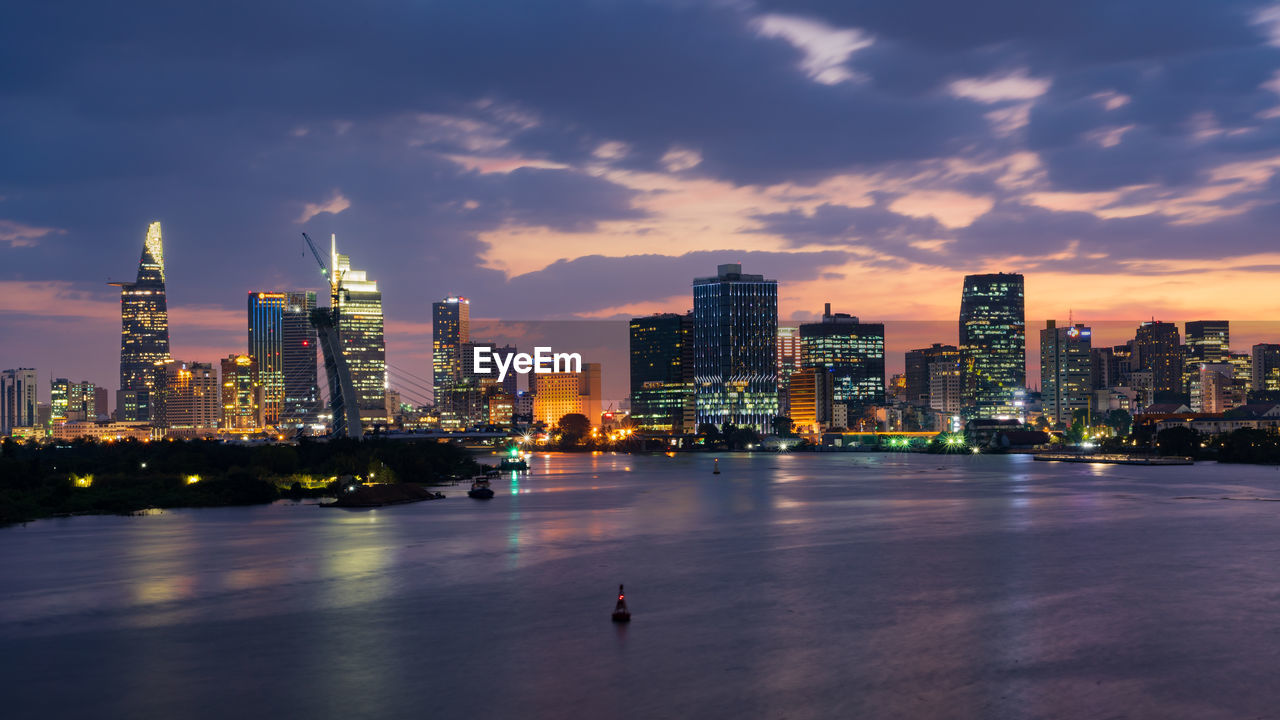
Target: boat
(517,464)
(480,490)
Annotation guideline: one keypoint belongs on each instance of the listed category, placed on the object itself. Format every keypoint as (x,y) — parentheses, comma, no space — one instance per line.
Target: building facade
(144,325)
(74,400)
(450,330)
(1158,347)
(735,335)
(243,396)
(993,343)
(17,400)
(1206,341)
(852,351)
(188,401)
(1065,371)
(917,370)
(266,347)
(360,329)
(301,406)
(661,348)
(1265,369)
(566,393)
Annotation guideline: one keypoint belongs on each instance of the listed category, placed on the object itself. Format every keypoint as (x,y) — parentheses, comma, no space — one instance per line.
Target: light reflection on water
(797,585)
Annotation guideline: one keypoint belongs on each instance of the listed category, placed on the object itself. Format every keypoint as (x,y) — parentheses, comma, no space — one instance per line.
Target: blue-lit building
(735,335)
(993,344)
(852,352)
(266,346)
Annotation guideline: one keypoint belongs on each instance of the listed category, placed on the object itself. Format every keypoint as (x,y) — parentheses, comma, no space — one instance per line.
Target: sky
(584,160)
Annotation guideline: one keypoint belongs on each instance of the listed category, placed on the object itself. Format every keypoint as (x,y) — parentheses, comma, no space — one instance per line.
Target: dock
(1114,459)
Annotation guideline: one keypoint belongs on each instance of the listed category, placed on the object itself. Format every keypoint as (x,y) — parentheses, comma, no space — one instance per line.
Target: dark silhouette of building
(917,370)
(301,405)
(662,373)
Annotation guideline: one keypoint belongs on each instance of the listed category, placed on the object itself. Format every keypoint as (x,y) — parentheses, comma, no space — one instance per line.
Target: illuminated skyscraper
(301,406)
(918,373)
(1266,368)
(1159,351)
(662,373)
(1065,370)
(450,330)
(993,342)
(17,399)
(852,351)
(73,400)
(188,399)
(144,322)
(735,349)
(266,347)
(243,396)
(363,343)
(788,363)
(1207,341)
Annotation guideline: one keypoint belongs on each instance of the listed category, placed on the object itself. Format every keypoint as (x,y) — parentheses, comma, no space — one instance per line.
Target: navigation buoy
(620,611)
(716,471)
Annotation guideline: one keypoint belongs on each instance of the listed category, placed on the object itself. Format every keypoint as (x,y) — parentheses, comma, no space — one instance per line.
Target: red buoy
(716,471)
(620,611)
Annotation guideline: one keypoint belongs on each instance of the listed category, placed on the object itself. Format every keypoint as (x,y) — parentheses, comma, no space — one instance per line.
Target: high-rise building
(188,401)
(360,328)
(144,324)
(788,363)
(662,373)
(450,330)
(1217,389)
(735,336)
(993,342)
(917,370)
(811,399)
(566,393)
(17,399)
(852,351)
(946,386)
(1065,370)
(1159,350)
(73,400)
(301,406)
(1207,341)
(1266,368)
(243,395)
(266,347)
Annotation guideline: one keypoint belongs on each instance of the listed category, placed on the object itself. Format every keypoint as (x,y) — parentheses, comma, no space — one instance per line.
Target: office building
(946,387)
(1216,389)
(1065,371)
(661,348)
(735,335)
(243,396)
(73,400)
(301,406)
(852,351)
(917,370)
(144,325)
(566,393)
(1207,341)
(188,400)
(450,331)
(266,347)
(788,363)
(360,327)
(811,400)
(1159,351)
(1265,370)
(17,400)
(993,343)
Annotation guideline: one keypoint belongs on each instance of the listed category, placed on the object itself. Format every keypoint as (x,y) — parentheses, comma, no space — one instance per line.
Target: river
(789,586)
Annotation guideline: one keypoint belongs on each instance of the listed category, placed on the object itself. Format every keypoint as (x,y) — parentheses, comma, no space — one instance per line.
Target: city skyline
(1125,161)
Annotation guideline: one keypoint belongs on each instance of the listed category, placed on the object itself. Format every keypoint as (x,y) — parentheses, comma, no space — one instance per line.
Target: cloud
(334,205)
(826,49)
(994,89)
(18,235)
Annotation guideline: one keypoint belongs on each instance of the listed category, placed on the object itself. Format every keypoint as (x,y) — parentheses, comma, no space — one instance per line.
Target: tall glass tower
(266,347)
(852,351)
(662,373)
(1065,370)
(735,349)
(301,405)
(993,343)
(450,331)
(144,322)
(360,330)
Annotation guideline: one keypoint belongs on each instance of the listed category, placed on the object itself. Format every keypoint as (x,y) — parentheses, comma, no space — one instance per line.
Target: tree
(782,425)
(574,426)
(1120,421)
(1178,440)
(1041,423)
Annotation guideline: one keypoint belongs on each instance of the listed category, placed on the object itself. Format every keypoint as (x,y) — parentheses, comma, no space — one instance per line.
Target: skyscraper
(450,330)
(993,342)
(243,396)
(788,363)
(735,335)
(917,370)
(662,373)
(73,400)
(17,399)
(1266,368)
(144,323)
(363,343)
(188,399)
(1065,369)
(1159,351)
(1207,341)
(852,351)
(301,405)
(266,347)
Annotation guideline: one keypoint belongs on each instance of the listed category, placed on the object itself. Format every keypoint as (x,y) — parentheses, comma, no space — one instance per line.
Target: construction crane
(342,395)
